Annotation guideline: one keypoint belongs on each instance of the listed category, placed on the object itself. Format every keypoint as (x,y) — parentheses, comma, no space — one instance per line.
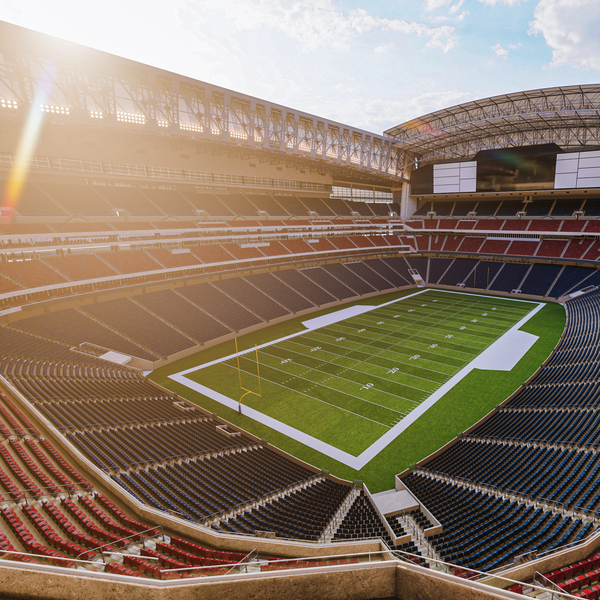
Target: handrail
(138,533)
(478,575)
(246,559)
(545,579)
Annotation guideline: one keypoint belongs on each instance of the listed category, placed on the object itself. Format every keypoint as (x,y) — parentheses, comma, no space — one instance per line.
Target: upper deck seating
(33,201)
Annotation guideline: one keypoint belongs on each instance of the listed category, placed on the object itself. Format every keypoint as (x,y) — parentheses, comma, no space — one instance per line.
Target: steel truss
(568,116)
(100,89)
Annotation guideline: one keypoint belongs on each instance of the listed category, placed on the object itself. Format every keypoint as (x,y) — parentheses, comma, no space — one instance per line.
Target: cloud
(435,4)
(383,48)
(570,28)
(502,52)
(317,23)
(456,7)
(378,114)
(505,2)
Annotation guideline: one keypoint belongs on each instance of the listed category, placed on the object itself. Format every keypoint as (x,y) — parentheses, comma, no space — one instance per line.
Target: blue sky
(368,64)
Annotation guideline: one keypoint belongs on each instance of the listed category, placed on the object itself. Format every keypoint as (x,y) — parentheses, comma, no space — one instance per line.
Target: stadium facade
(147,216)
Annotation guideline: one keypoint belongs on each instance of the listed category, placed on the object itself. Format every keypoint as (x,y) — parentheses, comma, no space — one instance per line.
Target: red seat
(569,585)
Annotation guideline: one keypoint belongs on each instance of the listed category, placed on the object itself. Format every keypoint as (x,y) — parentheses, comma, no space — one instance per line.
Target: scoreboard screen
(512,171)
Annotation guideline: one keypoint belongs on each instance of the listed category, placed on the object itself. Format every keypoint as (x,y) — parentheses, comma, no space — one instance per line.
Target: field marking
(364,362)
(502,345)
(325,401)
(412,387)
(310,381)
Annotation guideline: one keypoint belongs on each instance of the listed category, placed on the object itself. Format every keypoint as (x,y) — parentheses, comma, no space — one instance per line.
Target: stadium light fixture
(162,123)
(96,114)
(190,127)
(57,110)
(8,103)
(134,118)
(239,136)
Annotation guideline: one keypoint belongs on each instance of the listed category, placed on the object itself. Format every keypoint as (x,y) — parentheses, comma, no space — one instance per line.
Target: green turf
(471,399)
(350,382)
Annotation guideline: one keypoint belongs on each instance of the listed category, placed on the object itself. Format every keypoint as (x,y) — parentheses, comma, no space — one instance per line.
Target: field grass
(325,392)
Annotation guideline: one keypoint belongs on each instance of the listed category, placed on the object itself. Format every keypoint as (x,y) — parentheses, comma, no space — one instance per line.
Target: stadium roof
(79,86)
(567,116)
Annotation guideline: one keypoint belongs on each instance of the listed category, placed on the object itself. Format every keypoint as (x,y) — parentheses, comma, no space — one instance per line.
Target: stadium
(247,350)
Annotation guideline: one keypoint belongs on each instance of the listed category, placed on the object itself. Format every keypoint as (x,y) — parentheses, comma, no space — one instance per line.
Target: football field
(349,379)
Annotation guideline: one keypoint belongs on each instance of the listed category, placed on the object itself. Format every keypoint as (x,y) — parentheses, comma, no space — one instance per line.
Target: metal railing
(135,535)
(150,172)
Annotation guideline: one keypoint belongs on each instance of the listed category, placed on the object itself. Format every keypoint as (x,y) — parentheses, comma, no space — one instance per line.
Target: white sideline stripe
(495,357)
(334,317)
(274,424)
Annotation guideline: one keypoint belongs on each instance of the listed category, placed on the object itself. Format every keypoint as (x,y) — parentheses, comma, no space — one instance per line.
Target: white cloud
(383,48)
(500,51)
(570,28)
(505,2)
(378,114)
(317,23)
(456,7)
(435,4)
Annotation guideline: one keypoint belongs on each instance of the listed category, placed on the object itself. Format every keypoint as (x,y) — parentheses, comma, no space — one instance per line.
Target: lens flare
(26,148)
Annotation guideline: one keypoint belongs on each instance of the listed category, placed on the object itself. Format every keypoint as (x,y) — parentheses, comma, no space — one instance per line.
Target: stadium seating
(540,445)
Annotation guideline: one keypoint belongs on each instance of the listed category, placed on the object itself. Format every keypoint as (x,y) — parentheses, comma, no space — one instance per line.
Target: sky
(369,64)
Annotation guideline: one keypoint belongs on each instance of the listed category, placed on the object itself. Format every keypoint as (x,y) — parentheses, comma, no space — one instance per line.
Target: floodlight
(133,118)
(190,127)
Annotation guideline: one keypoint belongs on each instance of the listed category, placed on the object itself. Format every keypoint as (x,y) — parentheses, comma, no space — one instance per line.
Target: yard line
(469,354)
(323,401)
(374,355)
(342,392)
(452,328)
(401,358)
(355,371)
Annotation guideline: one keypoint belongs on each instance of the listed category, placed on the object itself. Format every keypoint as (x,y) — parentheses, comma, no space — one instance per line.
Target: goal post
(242,388)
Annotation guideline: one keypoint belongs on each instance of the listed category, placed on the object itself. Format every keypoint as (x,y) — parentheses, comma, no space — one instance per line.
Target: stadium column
(408,205)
